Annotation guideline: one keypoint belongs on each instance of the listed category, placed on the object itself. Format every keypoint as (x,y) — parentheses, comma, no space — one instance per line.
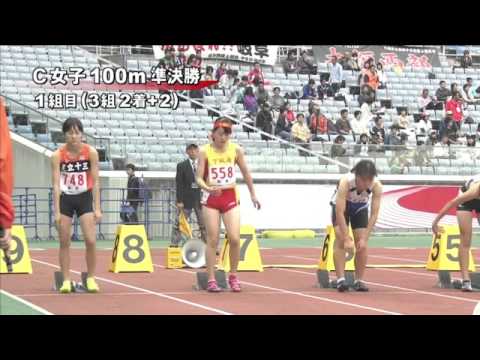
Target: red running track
(274,291)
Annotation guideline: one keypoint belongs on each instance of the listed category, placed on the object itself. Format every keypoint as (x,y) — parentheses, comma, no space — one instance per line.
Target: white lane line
(159,294)
(27,303)
(284,291)
(397,287)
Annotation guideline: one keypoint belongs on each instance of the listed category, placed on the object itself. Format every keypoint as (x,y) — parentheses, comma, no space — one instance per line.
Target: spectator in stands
(278,101)
(345,61)
(449,127)
(366,95)
(358,126)
(255,76)
(454,106)
(168,61)
(466,95)
(309,90)
(382,76)
(324,90)
(261,94)
(191,60)
(393,137)
(378,130)
(197,60)
(364,71)
(361,148)
(371,78)
(227,81)
(181,59)
(474,91)
(305,64)
(423,127)
(336,75)
(403,120)
(222,69)
(290,114)
(239,91)
(465,62)
(343,125)
(425,101)
(208,73)
(283,128)
(265,120)
(133,193)
(354,61)
(367,113)
(442,92)
(337,149)
(290,65)
(301,134)
(318,123)
(453,89)
(250,101)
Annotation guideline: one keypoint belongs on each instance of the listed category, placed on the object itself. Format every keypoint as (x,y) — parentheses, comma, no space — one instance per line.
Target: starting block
(445,280)
(76,287)
(202,280)
(324,281)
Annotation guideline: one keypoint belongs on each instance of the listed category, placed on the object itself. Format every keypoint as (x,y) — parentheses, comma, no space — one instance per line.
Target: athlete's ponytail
(365,168)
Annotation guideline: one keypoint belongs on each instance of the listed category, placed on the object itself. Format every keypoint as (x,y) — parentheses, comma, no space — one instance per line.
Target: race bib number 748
(72,183)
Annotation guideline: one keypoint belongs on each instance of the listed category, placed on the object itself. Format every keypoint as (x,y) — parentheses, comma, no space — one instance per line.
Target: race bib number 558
(222,175)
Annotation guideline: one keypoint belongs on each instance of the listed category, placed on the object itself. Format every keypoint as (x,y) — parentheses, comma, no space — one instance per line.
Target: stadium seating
(162,134)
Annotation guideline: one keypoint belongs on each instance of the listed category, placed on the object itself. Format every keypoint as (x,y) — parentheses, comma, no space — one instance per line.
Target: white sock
(341,279)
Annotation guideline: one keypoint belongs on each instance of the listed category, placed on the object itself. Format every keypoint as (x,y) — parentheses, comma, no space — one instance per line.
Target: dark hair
(249,91)
(70,123)
(256,63)
(244,78)
(442,82)
(365,168)
(469,79)
(380,64)
(131,166)
(192,146)
(311,82)
(276,88)
(452,85)
(209,69)
(357,112)
(338,138)
(300,114)
(343,111)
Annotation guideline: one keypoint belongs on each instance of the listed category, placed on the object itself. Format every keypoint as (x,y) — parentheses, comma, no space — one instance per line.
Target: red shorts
(226,201)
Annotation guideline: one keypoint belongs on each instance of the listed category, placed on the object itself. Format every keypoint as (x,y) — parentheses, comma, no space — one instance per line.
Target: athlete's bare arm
(55,162)
(377,192)
(94,166)
(468,195)
(247,176)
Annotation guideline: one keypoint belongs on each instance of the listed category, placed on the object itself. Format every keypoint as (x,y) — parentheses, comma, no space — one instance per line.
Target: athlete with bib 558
(350,205)
(220,198)
(467,201)
(75,176)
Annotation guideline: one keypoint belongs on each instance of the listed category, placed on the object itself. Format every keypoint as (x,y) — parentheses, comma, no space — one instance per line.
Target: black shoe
(360,286)
(342,286)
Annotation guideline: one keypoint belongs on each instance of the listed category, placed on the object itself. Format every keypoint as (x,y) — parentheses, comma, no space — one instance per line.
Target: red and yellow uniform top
(75,172)
(220,171)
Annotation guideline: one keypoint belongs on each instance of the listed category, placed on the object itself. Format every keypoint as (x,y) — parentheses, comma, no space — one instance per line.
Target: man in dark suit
(188,193)
(133,189)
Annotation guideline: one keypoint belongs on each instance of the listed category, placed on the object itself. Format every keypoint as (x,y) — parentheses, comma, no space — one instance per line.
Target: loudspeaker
(193,254)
